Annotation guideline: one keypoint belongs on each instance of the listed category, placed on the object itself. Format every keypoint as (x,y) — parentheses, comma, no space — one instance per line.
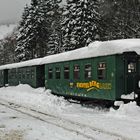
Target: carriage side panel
(95,80)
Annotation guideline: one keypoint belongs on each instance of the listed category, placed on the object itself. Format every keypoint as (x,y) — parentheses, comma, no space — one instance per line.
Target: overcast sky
(11,10)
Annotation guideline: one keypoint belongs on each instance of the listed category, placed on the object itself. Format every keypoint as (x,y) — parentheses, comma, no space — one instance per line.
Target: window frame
(57,72)
(66,72)
(28,71)
(76,72)
(19,74)
(50,73)
(102,70)
(87,71)
(131,68)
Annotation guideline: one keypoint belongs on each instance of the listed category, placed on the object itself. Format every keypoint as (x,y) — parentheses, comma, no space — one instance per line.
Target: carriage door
(5,77)
(130,72)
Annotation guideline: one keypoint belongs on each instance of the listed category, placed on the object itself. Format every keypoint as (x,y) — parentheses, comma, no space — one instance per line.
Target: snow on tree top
(94,49)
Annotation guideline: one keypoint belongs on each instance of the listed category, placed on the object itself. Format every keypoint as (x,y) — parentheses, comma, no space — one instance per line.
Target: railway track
(88,132)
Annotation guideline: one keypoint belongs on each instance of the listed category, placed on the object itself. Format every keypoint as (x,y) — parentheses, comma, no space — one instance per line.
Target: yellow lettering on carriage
(93,85)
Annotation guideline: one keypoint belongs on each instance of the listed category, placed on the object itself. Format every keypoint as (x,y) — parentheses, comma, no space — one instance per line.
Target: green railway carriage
(13,77)
(103,71)
(104,77)
(3,77)
(34,76)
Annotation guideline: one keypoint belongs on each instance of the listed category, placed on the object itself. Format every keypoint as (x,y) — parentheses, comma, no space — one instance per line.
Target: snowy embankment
(125,121)
(5,30)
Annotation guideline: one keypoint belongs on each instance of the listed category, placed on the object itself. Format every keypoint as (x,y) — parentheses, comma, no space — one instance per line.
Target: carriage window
(57,73)
(19,73)
(66,72)
(32,76)
(87,71)
(76,72)
(32,72)
(15,74)
(50,73)
(27,73)
(23,75)
(11,76)
(101,70)
(131,67)
(20,76)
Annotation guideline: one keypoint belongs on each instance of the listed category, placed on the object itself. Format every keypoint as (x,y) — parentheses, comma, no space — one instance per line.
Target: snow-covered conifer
(81,23)
(54,43)
(21,50)
(35,29)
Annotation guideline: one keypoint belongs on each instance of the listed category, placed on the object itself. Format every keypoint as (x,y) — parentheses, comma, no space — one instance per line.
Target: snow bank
(38,99)
(127,111)
(130,96)
(42,100)
(6,30)
(94,49)
(125,121)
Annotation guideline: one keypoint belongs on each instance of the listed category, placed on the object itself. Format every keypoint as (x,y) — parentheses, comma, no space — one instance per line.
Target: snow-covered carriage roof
(94,49)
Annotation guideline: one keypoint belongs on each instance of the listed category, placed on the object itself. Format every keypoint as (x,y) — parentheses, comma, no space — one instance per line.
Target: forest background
(47,27)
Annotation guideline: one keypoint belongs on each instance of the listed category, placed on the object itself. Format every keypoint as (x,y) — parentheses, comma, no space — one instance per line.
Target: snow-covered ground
(6,30)
(124,122)
(16,126)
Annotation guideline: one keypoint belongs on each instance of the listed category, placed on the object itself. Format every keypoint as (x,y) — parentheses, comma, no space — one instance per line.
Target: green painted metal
(13,77)
(26,75)
(117,82)
(89,88)
(130,78)
(3,77)
(119,76)
(40,76)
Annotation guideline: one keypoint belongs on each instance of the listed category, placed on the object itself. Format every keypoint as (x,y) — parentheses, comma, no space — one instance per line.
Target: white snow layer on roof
(94,49)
